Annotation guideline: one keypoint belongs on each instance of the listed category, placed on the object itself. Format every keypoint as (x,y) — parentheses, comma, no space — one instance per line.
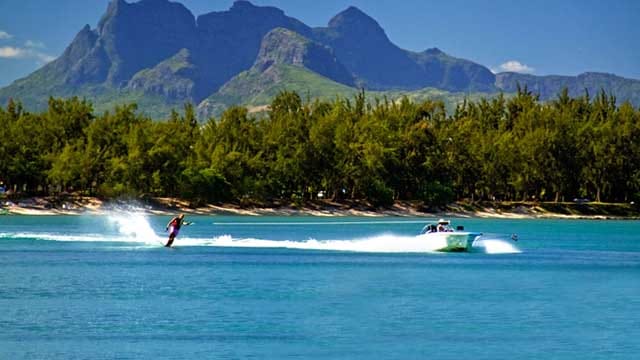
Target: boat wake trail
(490,245)
(386,243)
(376,244)
(119,227)
(135,229)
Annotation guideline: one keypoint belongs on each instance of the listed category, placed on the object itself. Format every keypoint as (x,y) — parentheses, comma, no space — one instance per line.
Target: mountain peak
(281,46)
(243,7)
(242,4)
(86,28)
(434,51)
(353,12)
(286,47)
(138,35)
(241,11)
(355,19)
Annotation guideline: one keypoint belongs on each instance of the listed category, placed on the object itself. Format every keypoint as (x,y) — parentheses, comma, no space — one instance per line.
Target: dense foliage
(499,149)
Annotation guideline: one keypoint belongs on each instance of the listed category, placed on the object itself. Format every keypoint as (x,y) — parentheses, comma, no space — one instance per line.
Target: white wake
(135,228)
(385,243)
(495,246)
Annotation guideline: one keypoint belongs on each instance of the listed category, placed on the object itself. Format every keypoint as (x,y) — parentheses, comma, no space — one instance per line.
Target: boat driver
(442,225)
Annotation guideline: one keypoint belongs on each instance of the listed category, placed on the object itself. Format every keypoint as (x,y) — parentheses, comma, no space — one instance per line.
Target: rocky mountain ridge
(157,52)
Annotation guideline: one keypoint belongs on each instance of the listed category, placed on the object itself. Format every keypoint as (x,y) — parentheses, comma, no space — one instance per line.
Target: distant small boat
(446,239)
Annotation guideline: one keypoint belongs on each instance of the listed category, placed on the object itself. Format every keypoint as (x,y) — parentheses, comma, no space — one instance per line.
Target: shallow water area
(316,288)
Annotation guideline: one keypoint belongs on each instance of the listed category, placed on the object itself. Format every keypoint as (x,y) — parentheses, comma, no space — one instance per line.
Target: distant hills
(548,87)
(156,53)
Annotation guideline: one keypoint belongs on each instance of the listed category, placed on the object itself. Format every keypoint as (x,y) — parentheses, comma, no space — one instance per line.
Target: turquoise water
(102,287)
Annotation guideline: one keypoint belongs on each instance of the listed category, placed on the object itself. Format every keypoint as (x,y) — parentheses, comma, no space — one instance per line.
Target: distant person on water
(174,228)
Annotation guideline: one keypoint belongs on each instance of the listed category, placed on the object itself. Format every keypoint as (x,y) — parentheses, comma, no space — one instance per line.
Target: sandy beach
(40,206)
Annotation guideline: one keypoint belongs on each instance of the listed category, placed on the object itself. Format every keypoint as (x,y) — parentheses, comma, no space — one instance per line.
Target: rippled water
(300,287)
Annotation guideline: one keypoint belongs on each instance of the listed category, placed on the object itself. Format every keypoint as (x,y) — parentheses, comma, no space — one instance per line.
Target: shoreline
(41,206)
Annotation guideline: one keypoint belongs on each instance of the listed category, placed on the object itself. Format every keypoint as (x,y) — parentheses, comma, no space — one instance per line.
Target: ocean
(103,287)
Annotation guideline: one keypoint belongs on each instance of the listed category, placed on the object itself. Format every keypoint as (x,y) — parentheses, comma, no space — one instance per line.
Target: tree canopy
(515,148)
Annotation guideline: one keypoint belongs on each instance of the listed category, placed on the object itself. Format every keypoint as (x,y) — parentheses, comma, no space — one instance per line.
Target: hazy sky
(542,37)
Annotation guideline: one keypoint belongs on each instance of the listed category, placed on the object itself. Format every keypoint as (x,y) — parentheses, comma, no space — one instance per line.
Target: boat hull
(451,241)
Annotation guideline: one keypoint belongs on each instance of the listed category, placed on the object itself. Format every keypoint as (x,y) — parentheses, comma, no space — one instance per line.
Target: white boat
(444,238)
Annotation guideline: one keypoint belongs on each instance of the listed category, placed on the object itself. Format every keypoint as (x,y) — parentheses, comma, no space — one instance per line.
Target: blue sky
(542,37)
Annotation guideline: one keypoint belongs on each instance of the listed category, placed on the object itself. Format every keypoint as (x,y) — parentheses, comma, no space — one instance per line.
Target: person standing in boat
(443,226)
(174,228)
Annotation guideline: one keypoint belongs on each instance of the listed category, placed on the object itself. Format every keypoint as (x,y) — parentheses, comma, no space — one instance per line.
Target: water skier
(174,226)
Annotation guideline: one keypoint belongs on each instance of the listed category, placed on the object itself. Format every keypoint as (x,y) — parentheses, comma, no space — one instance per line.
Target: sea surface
(103,287)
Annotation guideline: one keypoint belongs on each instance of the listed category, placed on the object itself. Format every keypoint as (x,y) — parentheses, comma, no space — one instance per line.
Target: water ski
(163,243)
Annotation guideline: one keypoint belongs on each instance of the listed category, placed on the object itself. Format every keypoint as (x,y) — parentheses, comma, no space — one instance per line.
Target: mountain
(282,46)
(548,87)
(130,38)
(289,61)
(363,46)
(172,78)
(365,49)
(99,63)
(229,41)
(158,54)
(256,89)
(449,73)
(286,61)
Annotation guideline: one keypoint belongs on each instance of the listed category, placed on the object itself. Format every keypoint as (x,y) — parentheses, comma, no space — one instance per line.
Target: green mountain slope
(172,78)
(256,89)
(101,96)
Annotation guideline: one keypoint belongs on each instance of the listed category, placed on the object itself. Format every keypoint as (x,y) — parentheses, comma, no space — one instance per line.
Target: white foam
(377,244)
(135,228)
(495,246)
(128,227)
(59,237)
(386,243)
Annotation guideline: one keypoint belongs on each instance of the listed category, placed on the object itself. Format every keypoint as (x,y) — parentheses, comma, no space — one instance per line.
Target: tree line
(504,148)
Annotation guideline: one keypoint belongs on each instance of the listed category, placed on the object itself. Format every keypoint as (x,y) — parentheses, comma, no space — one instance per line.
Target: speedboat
(443,237)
